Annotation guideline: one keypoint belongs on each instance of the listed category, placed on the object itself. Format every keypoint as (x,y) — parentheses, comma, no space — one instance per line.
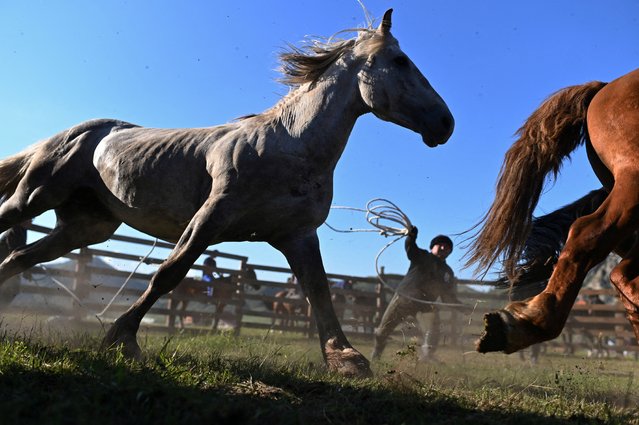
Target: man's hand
(413,232)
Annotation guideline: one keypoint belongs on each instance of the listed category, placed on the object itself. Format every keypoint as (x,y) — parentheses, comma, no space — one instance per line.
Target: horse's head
(395,90)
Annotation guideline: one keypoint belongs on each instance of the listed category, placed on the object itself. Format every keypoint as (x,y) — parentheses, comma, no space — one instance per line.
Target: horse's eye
(401,61)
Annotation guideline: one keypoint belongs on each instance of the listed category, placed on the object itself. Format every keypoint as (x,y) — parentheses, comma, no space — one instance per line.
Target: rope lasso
(110,303)
(378,212)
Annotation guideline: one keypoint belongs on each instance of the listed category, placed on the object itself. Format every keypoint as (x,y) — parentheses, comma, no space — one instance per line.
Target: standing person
(428,278)
(209,274)
(10,240)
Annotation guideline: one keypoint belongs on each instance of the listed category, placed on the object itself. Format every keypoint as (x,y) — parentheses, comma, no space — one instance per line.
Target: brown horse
(194,290)
(363,307)
(286,311)
(606,118)
(364,311)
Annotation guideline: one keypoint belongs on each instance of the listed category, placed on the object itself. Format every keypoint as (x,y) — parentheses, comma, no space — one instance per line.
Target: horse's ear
(385,26)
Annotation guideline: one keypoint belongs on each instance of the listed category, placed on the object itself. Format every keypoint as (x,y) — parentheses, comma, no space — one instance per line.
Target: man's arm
(412,251)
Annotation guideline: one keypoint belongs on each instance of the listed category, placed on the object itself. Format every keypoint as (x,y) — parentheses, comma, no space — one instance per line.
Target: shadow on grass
(86,388)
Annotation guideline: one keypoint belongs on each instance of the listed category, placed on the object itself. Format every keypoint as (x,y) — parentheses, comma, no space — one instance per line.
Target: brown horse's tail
(13,169)
(549,135)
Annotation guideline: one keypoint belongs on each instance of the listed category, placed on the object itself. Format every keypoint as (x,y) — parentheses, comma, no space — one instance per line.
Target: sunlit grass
(278,378)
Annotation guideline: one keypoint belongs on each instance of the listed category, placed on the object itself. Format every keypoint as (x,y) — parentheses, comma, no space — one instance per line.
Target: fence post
(81,281)
(239,307)
(310,323)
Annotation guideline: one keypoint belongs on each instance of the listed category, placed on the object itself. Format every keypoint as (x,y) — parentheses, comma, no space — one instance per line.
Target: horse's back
(152,179)
(83,136)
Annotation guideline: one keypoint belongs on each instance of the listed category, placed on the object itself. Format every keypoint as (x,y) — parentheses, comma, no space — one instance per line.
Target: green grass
(51,378)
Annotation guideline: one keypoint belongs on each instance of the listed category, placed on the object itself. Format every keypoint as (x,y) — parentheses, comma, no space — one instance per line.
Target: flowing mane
(305,64)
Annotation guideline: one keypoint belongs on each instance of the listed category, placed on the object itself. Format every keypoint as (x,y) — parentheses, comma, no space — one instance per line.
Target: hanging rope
(61,285)
(77,300)
(142,260)
(383,214)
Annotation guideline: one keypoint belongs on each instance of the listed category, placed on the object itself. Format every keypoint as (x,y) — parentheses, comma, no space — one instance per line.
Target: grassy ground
(48,377)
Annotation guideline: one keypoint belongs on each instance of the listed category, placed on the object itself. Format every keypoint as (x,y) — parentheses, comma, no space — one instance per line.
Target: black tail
(544,243)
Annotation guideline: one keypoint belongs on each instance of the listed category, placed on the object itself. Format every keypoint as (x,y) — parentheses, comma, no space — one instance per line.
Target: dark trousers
(398,311)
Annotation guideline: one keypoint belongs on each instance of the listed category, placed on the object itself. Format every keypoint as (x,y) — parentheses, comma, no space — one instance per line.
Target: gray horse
(265,177)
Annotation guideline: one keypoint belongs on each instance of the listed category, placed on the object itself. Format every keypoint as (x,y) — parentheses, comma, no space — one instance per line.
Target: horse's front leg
(196,237)
(590,240)
(303,255)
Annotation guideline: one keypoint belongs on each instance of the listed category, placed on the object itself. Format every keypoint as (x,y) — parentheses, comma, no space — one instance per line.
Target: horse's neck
(320,116)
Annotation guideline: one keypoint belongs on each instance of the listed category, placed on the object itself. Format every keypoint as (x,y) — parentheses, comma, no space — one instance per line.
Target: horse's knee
(590,239)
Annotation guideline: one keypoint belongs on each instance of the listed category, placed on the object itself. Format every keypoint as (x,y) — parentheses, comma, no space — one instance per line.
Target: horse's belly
(162,226)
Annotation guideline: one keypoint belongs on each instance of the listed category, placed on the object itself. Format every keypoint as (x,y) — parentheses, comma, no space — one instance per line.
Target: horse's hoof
(508,331)
(122,341)
(494,337)
(347,361)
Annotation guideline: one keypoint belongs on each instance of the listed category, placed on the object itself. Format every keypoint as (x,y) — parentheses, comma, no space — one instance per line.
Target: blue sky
(193,64)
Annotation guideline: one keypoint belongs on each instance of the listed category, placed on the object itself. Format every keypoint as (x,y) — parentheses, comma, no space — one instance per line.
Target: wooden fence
(84,286)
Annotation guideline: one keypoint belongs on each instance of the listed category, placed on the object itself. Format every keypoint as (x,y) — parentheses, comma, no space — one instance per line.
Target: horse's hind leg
(37,192)
(625,277)
(78,225)
(303,255)
(590,240)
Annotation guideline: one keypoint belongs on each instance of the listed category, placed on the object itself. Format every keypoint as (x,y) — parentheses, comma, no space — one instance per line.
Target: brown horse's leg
(303,255)
(219,309)
(591,238)
(625,277)
(278,309)
(183,305)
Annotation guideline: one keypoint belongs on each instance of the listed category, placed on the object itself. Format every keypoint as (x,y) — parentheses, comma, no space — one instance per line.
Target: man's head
(441,246)
(209,264)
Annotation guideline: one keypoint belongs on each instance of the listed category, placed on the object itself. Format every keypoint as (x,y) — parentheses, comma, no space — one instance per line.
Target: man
(209,274)
(428,278)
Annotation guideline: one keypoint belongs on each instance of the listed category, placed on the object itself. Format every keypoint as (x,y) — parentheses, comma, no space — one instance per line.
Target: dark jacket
(428,277)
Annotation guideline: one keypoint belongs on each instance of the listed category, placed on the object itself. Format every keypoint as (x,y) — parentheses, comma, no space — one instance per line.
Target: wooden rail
(591,325)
